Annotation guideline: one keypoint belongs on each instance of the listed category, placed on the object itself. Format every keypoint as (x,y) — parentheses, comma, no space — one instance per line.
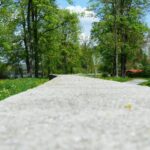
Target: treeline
(38,38)
(120,34)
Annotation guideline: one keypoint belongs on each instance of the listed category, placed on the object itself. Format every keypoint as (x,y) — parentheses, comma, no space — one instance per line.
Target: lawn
(147,83)
(119,79)
(13,86)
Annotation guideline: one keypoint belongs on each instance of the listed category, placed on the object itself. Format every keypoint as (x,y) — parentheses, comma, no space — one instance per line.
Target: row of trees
(38,38)
(41,36)
(120,34)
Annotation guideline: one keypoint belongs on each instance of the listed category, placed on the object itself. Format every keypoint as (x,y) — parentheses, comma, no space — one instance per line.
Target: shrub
(3,71)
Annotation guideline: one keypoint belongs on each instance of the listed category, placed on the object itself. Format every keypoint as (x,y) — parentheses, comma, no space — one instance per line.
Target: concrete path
(136,81)
(77,113)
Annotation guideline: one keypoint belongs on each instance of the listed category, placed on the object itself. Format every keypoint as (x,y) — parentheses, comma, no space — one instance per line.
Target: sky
(80,6)
(82,3)
(86,21)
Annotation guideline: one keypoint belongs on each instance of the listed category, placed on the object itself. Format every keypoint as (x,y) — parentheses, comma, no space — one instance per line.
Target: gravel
(77,113)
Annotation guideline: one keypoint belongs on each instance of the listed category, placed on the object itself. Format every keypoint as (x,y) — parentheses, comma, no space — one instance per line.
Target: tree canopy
(38,38)
(120,33)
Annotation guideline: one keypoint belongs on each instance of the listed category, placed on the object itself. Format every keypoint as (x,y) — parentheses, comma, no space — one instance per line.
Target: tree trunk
(30,35)
(20,71)
(115,67)
(35,36)
(123,54)
(25,43)
(65,64)
(124,40)
(123,65)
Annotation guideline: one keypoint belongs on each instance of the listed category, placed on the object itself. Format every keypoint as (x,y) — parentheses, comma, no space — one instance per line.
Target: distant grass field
(13,86)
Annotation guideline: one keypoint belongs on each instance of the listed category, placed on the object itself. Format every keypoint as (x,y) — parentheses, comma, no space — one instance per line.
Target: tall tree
(118,20)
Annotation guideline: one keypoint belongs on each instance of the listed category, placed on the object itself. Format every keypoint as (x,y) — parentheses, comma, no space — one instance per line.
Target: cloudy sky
(79,6)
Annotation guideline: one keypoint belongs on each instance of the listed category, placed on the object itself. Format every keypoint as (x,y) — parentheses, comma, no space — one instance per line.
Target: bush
(105,74)
(135,75)
(146,72)
(3,71)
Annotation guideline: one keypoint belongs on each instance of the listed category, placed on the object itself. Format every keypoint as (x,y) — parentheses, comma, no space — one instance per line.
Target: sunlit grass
(14,86)
(147,83)
(119,79)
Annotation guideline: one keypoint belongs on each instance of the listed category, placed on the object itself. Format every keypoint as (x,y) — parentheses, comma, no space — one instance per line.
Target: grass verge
(119,79)
(13,86)
(147,83)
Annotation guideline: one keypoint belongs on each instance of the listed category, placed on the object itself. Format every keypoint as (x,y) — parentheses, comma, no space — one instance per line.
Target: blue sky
(86,22)
(82,3)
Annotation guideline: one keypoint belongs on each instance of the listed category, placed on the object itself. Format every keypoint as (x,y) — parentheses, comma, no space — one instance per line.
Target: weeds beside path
(146,82)
(119,79)
(14,86)
(135,81)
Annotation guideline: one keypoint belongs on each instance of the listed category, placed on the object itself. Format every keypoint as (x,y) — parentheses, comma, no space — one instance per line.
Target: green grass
(13,86)
(119,79)
(147,83)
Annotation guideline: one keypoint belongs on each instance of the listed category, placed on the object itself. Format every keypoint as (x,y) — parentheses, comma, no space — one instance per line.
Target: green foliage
(147,83)
(119,79)
(3,71)
(43,37)
(120,33)
(146,71)
(61,45)
(14,86)
(87,53)
(100,76)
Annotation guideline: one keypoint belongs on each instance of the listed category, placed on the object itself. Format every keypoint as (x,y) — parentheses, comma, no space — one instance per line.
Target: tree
(47,33)
(120,32)
(8,35)
(69,41)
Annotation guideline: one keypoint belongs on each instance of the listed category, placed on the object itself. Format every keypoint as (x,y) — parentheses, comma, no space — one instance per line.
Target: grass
(147,83)
(13,86)
(119,79)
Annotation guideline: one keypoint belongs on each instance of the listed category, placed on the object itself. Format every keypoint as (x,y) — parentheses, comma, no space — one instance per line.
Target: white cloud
(86,18)
(84,37)
(82,11)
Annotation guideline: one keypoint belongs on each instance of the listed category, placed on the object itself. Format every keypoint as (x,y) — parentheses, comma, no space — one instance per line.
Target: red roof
(135,70)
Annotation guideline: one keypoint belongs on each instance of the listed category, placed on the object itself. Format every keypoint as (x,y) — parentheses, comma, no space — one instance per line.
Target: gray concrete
(77,113)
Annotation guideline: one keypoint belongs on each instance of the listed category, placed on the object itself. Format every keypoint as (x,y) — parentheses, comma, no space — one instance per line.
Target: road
(77,113)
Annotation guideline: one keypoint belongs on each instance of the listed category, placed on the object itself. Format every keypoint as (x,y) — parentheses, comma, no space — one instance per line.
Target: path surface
(77,113)
(136,81)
